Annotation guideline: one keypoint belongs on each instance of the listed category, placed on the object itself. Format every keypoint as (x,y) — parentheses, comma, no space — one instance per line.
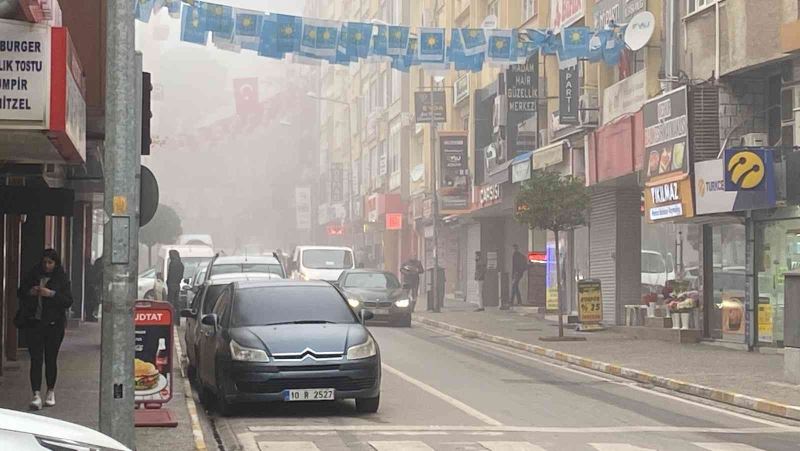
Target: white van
(192,257)
(321,262)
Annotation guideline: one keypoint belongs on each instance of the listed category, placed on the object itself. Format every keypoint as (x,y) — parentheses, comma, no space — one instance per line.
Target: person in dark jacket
(45,295)
(411,270)
(480,276)
(174,278)
(519,265)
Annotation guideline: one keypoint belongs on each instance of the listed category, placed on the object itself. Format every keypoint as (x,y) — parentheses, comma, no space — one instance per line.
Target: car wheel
(368,405)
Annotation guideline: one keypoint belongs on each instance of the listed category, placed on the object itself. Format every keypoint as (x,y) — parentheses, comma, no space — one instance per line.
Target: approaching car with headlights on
(27,432)
(378,292)
(287,341)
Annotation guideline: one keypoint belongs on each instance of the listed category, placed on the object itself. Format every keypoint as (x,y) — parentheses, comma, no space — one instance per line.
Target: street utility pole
(121,232)
(435,188)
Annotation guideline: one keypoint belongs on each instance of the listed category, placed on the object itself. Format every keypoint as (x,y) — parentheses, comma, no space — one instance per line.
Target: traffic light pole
(121,232)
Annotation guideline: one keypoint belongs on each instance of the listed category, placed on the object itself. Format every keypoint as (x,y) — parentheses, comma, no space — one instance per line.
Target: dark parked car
(378,292)
(203,303)
(287,341)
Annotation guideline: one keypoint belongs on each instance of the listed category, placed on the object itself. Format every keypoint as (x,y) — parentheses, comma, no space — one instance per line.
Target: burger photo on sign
(146,375)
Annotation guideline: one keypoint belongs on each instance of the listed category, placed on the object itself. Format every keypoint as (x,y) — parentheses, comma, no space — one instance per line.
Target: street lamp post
(350,153)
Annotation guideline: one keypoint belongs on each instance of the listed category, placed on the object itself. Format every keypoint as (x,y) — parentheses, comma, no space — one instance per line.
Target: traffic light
(147,114)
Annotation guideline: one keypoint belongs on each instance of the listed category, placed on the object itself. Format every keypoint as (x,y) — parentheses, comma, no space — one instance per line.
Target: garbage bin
(429,286)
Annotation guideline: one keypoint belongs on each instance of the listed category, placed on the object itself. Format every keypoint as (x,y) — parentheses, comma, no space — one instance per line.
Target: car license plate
(309,394)
(381,311)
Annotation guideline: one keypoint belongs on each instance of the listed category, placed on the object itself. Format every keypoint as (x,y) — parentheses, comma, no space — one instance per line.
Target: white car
(24,431)
(147,280)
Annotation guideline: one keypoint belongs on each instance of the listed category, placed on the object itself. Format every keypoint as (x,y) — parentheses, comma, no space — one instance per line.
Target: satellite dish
(640,29)
(489,22)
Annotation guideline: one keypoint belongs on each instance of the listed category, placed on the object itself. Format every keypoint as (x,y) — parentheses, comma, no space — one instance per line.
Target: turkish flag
(245,91)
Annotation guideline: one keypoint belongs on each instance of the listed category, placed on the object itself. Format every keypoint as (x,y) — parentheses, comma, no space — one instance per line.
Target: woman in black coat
(45,296)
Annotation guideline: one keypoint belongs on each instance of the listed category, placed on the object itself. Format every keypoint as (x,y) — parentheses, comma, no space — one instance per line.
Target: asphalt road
(444,392)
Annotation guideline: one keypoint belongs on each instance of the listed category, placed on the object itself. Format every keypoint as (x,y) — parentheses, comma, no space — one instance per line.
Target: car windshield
(653,263)
(236,268)
(327,259)
(371,280)
(288,305)
(190,264)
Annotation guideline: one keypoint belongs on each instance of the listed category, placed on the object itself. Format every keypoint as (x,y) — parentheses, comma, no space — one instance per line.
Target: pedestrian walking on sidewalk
(480,276)
(45,295)
(518,267)
(174,278)
(94,290)
(411,270)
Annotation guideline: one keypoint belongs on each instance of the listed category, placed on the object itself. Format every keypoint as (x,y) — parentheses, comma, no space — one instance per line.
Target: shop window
(671,256)
(779,252)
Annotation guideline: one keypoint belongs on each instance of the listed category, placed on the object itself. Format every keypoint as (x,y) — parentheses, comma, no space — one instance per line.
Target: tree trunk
(558,286)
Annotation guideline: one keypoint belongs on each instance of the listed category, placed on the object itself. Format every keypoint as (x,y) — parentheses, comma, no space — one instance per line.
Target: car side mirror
(209,320)
(366,315)
(187,313)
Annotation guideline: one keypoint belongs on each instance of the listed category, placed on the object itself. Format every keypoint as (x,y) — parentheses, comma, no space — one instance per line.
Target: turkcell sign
(24,75)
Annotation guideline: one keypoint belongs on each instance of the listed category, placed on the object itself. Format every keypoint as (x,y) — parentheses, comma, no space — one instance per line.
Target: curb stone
(735,399)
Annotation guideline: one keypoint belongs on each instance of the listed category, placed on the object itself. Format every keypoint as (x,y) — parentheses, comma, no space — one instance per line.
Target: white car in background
(24,431)
(147,280)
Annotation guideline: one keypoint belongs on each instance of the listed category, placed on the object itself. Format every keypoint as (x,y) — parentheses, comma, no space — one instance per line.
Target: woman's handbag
(24,322)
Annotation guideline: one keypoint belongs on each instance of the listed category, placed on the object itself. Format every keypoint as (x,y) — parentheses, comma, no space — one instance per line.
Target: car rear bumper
(245,382)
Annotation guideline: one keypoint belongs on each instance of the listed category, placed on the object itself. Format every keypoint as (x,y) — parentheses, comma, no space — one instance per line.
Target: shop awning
(521,167)
(35,200)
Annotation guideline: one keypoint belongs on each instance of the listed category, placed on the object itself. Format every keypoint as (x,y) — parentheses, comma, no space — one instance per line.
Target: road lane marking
(618,447)
(444,397)
(400,446)
(628,384)
(511,446)
(726,447)
(287,446)
(301,429)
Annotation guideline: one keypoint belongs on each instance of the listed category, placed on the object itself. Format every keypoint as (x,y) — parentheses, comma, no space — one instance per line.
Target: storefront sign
(522,88)
(454,172)
(461,88)
(489,195)
(624,97)
(745,169)
(153,352)
(666,132)
(394,221)
(617,11)
(430,106)
(614,150)
(491,261)
(590,302)
(24,75)
(711,196)
(669,199)
(569,90)
(521,168)
(548,155)
(765,326)
(67,98)
(302,206)
(564,13)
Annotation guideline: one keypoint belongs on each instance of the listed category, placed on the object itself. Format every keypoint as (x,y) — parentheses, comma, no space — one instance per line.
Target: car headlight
(243,354)
(362,351)
(354,303)
(402,303)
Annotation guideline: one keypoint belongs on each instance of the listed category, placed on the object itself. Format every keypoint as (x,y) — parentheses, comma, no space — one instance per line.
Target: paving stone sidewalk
(77,392)
(759,375)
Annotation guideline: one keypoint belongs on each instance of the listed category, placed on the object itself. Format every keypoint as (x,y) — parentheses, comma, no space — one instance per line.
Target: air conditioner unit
(588,111)
(754,140)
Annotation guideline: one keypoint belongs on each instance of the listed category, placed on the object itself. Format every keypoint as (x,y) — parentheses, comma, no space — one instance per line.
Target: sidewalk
(755,375)
(77,391)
